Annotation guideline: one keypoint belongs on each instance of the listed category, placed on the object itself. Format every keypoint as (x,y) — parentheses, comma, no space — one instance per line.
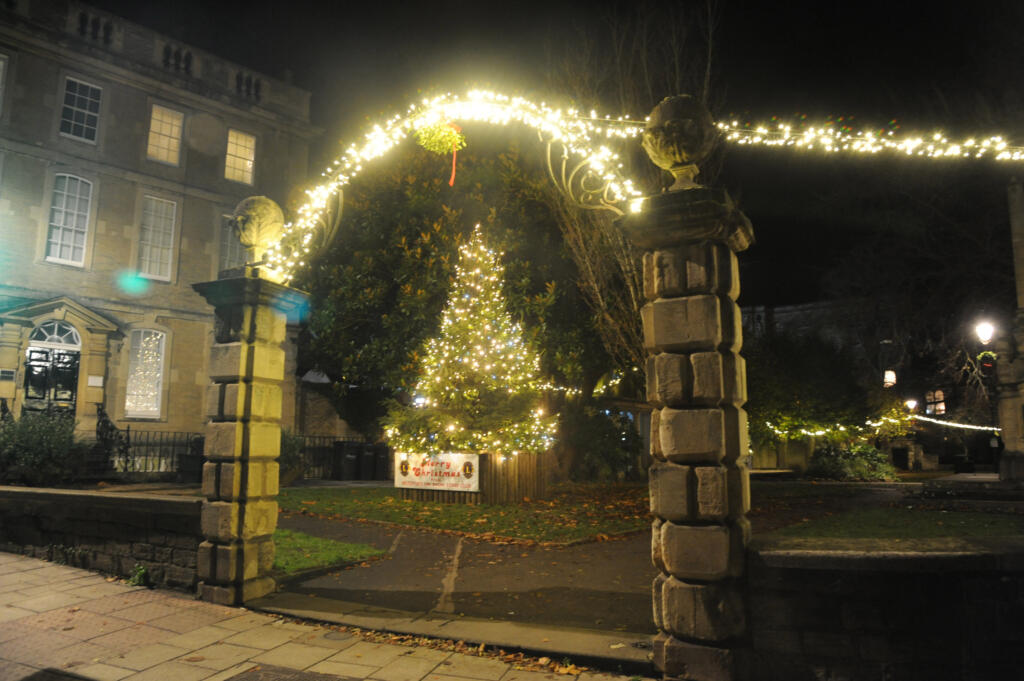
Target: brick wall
(104,531)
(901,616)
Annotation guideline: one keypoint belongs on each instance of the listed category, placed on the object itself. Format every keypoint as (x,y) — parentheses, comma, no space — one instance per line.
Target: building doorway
(51,367)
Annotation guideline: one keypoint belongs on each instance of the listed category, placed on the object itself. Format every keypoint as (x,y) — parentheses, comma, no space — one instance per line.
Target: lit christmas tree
(479,391)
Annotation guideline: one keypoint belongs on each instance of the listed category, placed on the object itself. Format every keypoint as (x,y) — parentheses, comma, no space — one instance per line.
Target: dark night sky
(876,61)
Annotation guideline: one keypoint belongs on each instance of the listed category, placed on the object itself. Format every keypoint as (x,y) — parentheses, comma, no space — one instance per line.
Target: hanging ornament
(440,138)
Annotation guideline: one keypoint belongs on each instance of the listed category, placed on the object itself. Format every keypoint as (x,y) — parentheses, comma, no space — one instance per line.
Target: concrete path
(61,623)
(605,586)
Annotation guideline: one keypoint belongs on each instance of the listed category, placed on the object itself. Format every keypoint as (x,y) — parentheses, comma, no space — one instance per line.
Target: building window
(232,252)
(145,374)
(80,115)
(165,135)
(156,238)
(241,156)
(934,402)
(69,220)
(3,79)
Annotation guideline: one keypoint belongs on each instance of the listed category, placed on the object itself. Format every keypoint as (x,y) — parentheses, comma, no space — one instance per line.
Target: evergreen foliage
(479,389)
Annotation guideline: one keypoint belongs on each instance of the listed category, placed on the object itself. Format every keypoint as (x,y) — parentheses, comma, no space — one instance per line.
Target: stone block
(692,435)
(708,379)
(214,401)
(142,551)
(183,558)
(206,561)
(271,325)
(737,435)
(221,595)
(223,440)
(681,660)
(260,519)
(163,554)
(264,440)
(667,380)
(738,479)
(703,552)
(267,362)
(655,435)
(734,379)
(713,500)
(732,326)
(685,324)
(656,600)
(211,484)
(670,491)
(265,556)
(257,588)
(219,520)
(179,577)
(657,558)
(227,362)
(707,612)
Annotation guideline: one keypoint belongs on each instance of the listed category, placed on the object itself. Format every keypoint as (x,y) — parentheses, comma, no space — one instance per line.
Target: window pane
(232,253)
(165,135)
(69,219)
(145,373)
(240,158)
(156,233)
(79,115)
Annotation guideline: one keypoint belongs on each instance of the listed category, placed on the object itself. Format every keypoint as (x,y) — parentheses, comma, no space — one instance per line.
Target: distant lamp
(985,331)
(911,404)
(889,378)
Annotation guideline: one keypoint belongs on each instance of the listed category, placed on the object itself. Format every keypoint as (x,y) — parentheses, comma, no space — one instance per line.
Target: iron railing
(332,458)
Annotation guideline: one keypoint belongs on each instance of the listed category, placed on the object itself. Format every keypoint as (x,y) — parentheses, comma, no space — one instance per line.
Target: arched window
(56,334)
(145,373)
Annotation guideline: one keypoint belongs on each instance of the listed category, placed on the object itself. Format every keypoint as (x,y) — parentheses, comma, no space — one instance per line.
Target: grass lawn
(906,523)
(299,551)
(573,512)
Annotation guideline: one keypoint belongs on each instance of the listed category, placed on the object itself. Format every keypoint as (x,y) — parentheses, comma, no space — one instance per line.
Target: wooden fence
(501,482)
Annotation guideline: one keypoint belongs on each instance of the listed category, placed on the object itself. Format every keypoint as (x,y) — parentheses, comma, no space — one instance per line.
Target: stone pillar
(696,385)
(1010,349)
(243,436)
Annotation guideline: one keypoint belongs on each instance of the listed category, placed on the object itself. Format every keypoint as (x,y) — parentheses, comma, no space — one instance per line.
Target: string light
(476,366)
(843,139)
(586,137)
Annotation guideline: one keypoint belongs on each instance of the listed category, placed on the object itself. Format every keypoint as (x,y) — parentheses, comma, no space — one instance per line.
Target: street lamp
(911,404)
(985,330)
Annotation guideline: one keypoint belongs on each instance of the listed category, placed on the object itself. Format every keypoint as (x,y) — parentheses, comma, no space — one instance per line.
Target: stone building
(121,151)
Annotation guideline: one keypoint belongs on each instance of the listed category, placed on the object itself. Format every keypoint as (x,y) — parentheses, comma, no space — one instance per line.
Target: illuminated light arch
(585,138)
(581,137)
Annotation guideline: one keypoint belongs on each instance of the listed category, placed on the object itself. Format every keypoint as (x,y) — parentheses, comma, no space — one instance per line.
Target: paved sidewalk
(60,623)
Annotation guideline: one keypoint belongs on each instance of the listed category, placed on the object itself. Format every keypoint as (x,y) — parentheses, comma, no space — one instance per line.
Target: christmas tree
(479,391)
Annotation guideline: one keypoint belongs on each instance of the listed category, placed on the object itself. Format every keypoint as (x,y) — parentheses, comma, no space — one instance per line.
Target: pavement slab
(109,631)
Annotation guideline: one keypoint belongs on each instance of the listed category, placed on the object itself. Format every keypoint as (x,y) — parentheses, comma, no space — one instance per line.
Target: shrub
(291,450)
(850,462)
(40,449)
(600,445)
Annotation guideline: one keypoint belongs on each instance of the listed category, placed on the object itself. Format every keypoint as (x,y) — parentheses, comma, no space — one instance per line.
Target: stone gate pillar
(696,385)
(243,436)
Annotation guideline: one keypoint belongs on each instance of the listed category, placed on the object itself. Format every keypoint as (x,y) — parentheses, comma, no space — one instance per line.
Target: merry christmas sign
(446,471)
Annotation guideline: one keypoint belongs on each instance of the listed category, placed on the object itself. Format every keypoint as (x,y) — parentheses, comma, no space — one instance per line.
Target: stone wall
(874,616)
(104,531)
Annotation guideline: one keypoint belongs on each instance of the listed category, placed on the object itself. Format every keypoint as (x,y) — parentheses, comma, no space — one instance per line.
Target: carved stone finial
(259,223)
(679,135)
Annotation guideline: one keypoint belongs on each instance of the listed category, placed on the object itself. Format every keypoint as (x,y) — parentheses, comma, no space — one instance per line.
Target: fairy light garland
(587,136)
(478,358)
(840,429)
(583,136)
(843,139)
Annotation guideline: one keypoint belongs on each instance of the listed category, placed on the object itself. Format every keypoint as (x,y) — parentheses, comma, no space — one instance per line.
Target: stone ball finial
(259,223)
(679,134)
